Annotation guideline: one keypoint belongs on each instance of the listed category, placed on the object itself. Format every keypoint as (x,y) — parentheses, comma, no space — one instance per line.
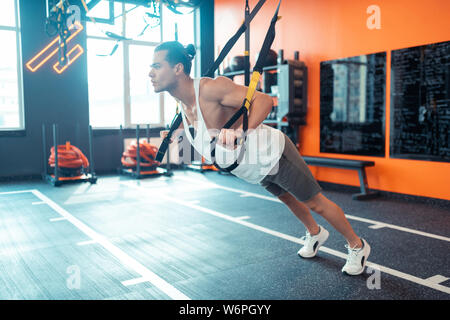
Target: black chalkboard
(420,102)
(352,105)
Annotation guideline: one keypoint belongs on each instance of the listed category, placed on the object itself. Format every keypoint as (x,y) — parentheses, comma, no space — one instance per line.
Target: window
(11,106)
(106,92)
(142,97)
(120,92)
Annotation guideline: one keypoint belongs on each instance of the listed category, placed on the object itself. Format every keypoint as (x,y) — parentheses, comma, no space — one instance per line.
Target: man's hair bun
(190,51)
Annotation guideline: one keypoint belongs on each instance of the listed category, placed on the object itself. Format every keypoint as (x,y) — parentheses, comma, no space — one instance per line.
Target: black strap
(268,40)
(165,143)
(243,110)
(176,122)
(229,45)
(267,44)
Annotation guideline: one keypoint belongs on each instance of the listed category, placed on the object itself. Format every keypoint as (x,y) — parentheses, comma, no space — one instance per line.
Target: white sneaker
(313,243)
(356,259)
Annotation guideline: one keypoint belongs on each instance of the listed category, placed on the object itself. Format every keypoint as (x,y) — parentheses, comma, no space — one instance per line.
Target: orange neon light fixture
(60,69)
(46,54)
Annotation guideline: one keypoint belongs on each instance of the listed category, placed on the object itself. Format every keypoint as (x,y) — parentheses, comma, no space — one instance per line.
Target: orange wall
(330,29)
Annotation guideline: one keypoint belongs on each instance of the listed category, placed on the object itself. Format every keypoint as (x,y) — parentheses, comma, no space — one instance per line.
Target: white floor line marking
(392,226)
(57,219)
(135,281)
(37,203)
(194,201)
(373,222)
(243,218)
(154,279)
(437,279)
(217,186)
(384,269)
(245,195)
(14,192)
(84,243)
(377,226)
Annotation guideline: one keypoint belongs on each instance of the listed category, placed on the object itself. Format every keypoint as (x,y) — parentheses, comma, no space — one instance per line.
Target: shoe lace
(307,238)
(352,253)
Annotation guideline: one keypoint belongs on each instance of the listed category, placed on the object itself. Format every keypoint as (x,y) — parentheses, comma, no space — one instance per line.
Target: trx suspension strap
(257,71)
(226,49)
(229,45)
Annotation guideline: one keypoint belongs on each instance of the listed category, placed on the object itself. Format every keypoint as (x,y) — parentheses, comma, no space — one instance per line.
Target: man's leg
(300,211)
(335,216)
(295,186)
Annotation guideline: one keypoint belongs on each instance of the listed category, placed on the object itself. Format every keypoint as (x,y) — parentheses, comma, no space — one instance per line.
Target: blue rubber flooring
(212,237)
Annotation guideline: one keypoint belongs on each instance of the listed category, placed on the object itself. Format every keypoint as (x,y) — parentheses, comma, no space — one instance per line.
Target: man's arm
(230,94)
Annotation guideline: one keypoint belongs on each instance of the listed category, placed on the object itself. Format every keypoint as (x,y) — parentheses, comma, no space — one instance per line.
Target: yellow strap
(85,6)
(60,4)
(251,88)
(87,10)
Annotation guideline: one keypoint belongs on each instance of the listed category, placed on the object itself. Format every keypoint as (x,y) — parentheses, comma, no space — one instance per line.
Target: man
(208,104)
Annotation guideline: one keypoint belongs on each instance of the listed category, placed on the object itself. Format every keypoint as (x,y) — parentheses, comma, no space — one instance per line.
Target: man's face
(162,74)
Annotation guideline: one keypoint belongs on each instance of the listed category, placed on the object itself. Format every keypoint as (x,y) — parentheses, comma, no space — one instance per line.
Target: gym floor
(208,236)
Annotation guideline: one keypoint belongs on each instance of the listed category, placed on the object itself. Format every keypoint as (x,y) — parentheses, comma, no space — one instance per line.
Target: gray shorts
(293,175)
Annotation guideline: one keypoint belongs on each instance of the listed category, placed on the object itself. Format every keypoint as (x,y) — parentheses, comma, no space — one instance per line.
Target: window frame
(127,123)
(14,131)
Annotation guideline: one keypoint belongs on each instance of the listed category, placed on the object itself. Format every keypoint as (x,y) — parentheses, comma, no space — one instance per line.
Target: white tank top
(263,147)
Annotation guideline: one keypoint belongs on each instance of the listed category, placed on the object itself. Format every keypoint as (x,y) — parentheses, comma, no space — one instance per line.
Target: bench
(358,165)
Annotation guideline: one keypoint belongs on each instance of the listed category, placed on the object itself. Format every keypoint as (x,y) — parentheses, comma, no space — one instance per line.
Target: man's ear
(179,68)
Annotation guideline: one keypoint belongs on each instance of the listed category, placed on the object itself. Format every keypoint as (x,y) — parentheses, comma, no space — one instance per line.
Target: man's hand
(227,137)
(164,133)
